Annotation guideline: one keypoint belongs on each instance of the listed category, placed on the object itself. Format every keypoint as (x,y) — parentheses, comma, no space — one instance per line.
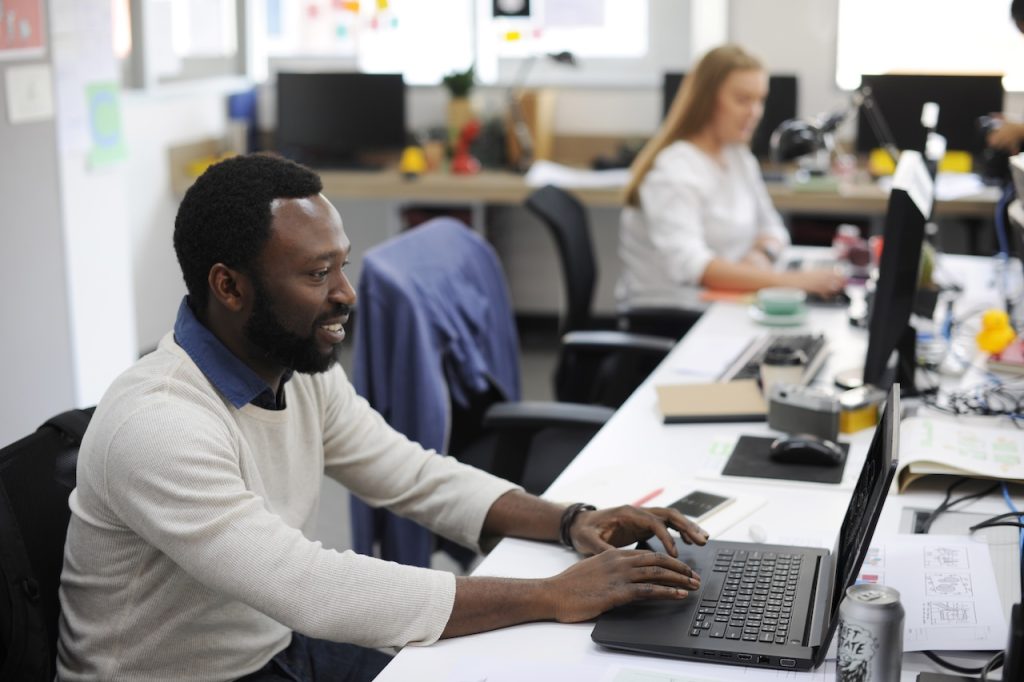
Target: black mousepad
(750,458)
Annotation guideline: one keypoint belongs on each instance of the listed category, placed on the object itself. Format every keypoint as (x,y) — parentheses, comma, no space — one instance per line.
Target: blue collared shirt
(229,375)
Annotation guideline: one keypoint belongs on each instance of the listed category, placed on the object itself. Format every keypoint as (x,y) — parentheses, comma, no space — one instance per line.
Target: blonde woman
(697,211)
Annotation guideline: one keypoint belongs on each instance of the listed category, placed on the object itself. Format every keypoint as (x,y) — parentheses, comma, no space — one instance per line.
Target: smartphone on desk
(699,505)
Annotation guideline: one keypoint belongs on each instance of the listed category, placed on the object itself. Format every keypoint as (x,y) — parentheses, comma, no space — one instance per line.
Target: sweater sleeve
(172,475)
(672,206)
(386,469)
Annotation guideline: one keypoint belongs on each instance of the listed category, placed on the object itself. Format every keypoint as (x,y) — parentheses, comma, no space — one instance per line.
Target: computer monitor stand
(904,371)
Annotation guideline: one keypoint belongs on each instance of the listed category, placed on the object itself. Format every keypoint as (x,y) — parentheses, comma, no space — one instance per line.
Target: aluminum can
(870,635)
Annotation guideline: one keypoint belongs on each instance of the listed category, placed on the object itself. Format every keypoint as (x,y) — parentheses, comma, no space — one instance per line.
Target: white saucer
(761,317)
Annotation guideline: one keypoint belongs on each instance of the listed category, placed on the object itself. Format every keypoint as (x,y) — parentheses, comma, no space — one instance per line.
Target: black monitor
(340,119)
(889,329)
(961,100)
(780,106)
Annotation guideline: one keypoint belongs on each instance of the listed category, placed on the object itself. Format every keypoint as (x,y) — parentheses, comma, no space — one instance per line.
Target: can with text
(870,635)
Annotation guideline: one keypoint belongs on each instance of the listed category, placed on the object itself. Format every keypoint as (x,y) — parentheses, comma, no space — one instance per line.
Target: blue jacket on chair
(434,326)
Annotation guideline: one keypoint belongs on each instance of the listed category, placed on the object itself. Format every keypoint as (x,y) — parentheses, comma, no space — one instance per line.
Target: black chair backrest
(37,474)
(567,219)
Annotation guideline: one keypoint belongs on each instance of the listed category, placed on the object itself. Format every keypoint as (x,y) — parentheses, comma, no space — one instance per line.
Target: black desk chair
(37,474)
(602,367)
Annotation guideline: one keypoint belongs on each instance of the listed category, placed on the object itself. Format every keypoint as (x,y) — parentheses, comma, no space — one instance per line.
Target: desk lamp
(520,130)
(813,142)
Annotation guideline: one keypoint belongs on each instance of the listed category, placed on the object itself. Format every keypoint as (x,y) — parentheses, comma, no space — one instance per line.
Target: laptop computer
(771,606)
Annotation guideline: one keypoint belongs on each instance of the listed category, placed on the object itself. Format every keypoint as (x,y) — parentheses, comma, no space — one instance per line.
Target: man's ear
(229,287)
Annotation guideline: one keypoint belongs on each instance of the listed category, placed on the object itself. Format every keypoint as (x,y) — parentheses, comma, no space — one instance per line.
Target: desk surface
(502,187)
(636,453)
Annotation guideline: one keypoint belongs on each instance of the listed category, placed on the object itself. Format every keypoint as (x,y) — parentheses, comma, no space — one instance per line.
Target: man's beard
(285,348)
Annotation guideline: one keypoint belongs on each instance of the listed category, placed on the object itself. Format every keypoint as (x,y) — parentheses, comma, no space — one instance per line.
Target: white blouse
(692,209)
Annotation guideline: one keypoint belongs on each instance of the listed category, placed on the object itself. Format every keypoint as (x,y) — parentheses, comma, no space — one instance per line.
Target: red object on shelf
(464,163)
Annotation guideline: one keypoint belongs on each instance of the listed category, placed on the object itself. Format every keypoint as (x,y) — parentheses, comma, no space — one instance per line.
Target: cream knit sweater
(188,556)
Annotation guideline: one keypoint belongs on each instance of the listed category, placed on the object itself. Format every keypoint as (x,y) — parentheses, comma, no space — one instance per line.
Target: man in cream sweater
(188,556)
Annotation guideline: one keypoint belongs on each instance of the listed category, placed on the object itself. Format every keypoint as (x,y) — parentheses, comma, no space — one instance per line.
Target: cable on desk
(948,504)
(996,398)
(1012,506)
(982,670)
(994,663)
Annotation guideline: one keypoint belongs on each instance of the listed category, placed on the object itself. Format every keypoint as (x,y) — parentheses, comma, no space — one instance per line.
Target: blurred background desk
(376,205)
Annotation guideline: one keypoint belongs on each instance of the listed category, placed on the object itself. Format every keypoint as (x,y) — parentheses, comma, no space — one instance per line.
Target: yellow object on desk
(956,161)
(881,163)
(996,333)
(413,161)
(858,408)
(197,167)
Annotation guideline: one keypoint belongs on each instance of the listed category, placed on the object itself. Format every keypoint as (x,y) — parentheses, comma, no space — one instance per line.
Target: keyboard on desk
(756,600)
(747,364)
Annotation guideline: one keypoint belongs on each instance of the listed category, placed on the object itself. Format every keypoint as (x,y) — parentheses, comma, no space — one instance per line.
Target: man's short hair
(225,216)
(1017,12)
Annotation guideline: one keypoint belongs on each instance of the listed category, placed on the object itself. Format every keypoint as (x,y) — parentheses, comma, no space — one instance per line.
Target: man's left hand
(596,531)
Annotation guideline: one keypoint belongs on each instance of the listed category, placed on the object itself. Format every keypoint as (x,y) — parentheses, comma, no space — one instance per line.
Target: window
(178,40)
(424,40)
(928,36)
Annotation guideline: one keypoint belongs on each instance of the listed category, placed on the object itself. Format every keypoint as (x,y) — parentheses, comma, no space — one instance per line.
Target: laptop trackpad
(663,622)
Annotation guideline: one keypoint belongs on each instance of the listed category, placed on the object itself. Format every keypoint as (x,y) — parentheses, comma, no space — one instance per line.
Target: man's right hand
(616,577)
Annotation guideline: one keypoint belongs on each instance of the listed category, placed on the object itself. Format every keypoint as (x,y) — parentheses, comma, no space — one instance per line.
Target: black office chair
(37,474)
(599,367)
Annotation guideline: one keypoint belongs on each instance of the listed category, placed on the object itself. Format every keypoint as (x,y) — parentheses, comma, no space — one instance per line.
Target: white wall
(35,343)
(67,293)
(153,122)
(793,36)
(91,194)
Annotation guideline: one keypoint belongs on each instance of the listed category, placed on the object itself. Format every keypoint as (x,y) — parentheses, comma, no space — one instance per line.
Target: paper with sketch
(947,587)
(934,445)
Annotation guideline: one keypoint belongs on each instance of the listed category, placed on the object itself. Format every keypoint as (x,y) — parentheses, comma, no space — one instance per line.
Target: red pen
(648,497)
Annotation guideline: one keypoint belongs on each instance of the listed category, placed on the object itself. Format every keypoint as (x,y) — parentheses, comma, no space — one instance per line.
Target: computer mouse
(806,449)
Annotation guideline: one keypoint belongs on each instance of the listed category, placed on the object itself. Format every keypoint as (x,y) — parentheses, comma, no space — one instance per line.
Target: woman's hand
(824,282)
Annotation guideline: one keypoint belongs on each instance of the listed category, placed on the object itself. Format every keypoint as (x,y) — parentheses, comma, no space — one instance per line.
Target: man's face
(301,296)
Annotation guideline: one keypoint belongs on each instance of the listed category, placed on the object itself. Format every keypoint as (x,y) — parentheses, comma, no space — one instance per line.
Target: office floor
(538,346)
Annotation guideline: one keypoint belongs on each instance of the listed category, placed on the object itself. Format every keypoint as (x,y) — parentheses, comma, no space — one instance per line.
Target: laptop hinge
(820,613)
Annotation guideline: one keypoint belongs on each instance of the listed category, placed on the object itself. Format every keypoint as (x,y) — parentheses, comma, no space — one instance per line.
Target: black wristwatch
(568,517)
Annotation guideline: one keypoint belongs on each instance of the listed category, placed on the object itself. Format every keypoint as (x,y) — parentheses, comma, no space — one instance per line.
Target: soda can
(870,635)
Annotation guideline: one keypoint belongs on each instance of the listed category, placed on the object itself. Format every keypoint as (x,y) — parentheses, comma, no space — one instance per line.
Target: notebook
(736,401)
(770,606)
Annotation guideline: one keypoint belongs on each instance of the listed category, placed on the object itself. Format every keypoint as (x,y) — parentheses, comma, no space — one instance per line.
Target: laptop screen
(865,504)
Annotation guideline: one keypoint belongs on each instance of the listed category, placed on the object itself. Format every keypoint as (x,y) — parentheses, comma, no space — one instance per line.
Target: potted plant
(460,110)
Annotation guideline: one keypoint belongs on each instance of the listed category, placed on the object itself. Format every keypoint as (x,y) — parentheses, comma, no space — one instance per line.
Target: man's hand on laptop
(600,530)
(617,577)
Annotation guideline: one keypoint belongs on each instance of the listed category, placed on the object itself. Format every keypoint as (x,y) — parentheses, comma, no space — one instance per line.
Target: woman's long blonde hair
(692,108)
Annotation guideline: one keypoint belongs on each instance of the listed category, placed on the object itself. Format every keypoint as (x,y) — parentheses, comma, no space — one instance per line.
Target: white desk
(636,453)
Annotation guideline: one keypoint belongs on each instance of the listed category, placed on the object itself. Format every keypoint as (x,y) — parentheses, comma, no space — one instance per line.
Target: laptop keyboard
(810,344)
(756,599)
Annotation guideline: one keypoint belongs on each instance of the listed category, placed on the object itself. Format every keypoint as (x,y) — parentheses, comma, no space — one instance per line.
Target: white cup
(782,366)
